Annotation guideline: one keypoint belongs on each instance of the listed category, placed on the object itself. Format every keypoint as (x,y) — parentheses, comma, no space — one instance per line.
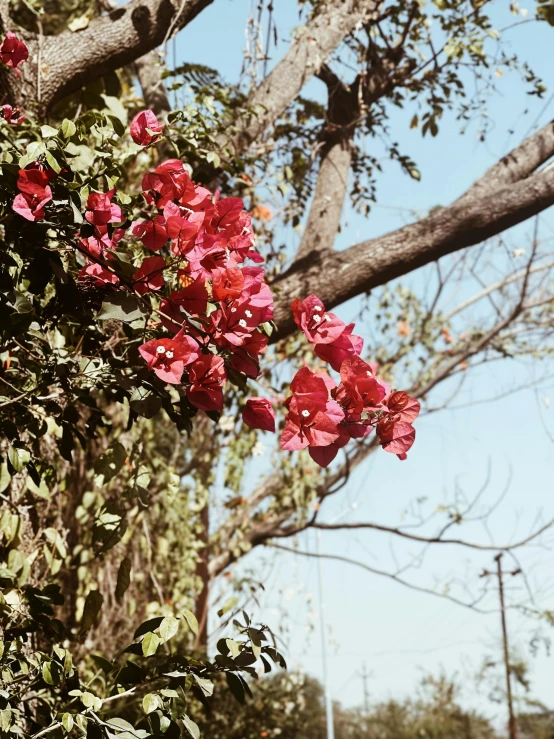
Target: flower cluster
(333,340)
(322,415)
(33,184)
(221,301)
(13,51)
(212,307)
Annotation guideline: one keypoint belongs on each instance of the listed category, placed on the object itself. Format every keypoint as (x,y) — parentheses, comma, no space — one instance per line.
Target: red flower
(153,233)
(101,211)
(13,51)
(312,418)
(149,276)
(311,317)
(245,358)
(35,179)
(12,115)
(227,284)
(168,357)
(180,229)
(396,437)
(308,423)
(404,407)
(170,181)
(31,207)
(193,299)
(259,414)
(360,391)
(227,212)
(97,275)
(35,192)
(234,324)
(340,349)
(206,375)
(145,128)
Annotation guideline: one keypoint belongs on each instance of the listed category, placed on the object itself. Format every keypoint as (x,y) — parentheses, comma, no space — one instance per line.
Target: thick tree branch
(309,50)
(339,276)
(518,164)
(71,60)
(149,72)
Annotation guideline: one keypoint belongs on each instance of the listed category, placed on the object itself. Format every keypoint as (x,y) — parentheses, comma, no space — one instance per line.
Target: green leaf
(121,307)
(67,722)
(191,620)
(150,644)
(120,723)
(149,625)
(52,673)
(205,685)
(6,717)
(34,150)
(116,107)
(19,458)
(168,628)
(5,477)
(83,156)
(91,610)
(150,702)
(213,158)
(191,727)
(91,701)
(233,647)
(123,579)
(108,464)
(229,604)
(47,131)
(68,128)
(235,686)
(78,24)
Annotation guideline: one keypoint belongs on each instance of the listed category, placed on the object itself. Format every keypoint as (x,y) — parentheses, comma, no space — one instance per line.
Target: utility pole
(512,725)
(328,699)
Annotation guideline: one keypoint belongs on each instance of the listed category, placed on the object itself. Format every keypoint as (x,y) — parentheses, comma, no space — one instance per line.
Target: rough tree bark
(62,64)
(308,52)
(509,193)
(149,68)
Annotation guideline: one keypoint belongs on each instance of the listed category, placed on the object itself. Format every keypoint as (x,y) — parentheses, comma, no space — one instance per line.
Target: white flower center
(327,317)
(233,310)
(317,319)
(160,350)
(242,323)
(318,308)
(169,354)
(305,414)
(248,314)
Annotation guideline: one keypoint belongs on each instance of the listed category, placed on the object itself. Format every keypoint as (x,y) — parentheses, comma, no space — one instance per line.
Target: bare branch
(434,539)
(498,286)
(391,575)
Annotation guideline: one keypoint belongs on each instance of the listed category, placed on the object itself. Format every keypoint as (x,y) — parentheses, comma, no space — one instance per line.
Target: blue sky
(397,632)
